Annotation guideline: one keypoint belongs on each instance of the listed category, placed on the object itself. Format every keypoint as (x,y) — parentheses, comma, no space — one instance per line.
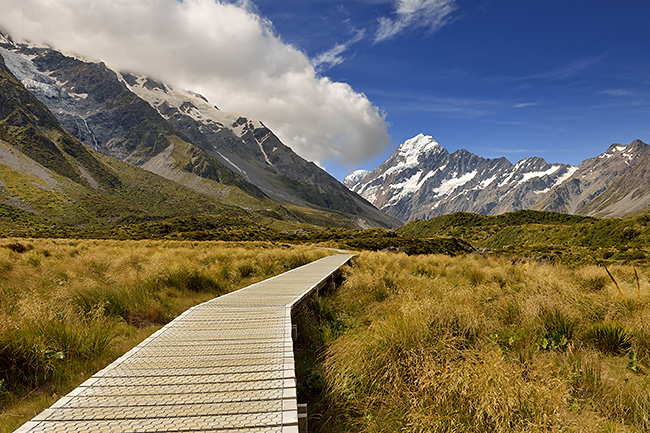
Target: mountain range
(71,127)
(82,144)
(421,180)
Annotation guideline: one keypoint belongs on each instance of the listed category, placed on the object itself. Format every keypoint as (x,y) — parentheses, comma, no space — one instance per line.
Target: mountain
(629,193)
(251,149)
(422,180)
(587,191)
(180,136)
(355,177)
(48,177)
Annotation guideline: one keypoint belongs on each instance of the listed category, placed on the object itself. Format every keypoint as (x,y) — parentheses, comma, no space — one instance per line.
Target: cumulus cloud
(223,50)
(415,14)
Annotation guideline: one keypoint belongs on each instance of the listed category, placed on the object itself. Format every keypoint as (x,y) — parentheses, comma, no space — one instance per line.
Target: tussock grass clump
(610,337)
(69,307)
(559,326)
(17,247)
(476,344)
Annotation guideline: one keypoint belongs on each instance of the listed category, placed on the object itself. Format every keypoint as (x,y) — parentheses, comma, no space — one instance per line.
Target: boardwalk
(223,366)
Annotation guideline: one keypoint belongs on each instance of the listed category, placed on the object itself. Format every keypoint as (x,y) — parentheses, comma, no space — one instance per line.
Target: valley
(486,295)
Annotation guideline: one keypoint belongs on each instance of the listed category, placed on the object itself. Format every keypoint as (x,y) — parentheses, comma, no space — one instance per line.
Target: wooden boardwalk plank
(223,366)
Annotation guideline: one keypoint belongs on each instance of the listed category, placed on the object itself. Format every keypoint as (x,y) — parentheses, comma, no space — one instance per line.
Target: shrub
(595,283)
(247,268)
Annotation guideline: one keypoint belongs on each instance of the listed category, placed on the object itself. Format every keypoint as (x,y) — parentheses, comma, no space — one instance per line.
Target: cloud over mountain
(223,50)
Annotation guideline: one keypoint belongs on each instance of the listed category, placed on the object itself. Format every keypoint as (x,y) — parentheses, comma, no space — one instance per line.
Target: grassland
(69,307)
(526,333)
(548,236)
(432,343)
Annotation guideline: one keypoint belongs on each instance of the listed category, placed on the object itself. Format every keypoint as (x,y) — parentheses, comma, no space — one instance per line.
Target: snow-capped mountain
(179,135)
(421,179)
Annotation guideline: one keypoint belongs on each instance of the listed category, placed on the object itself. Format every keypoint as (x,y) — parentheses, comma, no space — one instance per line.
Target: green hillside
(546,235)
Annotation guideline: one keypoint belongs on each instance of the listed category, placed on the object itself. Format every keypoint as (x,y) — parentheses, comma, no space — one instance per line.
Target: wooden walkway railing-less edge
(225,365)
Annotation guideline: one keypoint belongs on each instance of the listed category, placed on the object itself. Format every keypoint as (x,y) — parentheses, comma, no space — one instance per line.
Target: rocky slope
(47,176)
(180,136)
(581,193)
(421,180)
(252,150)
(629,193)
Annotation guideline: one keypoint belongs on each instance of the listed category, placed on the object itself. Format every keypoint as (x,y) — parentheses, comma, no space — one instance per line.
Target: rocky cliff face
(630,191)
(422,180)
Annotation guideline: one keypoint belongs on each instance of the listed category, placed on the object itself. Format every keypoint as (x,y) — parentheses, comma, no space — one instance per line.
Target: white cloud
(525,104)
(223,50)
(333,56)
(415,14)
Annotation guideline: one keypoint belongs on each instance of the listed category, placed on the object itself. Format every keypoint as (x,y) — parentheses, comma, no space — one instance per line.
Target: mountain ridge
(105,110)
(421,180)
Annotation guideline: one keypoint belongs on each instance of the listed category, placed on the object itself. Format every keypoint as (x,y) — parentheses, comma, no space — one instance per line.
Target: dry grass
(475,344)
(68,307)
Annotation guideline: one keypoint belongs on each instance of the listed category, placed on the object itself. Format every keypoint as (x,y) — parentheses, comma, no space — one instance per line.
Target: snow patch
(242,172)
(485,183)
(409,186)
(192,105)
(614,150)
(570,172)
(506,180)
(528,176)
(449,185)
(370,194)
(25,71)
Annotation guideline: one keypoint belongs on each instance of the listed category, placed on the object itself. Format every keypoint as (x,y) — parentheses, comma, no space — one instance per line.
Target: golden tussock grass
(474,344)
(69,307)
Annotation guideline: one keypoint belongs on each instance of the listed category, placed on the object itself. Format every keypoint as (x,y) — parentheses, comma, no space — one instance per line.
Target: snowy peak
(625,152)
(410,153)
(355,177)
(418,145)
(422,179)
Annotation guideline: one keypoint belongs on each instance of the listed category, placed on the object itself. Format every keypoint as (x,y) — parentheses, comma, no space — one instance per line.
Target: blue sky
(557,79)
